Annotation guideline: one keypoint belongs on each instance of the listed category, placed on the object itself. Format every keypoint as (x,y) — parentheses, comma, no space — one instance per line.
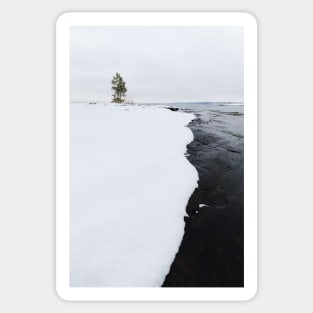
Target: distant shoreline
(165,103)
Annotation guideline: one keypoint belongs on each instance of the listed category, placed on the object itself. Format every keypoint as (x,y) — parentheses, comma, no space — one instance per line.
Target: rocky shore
(212,250)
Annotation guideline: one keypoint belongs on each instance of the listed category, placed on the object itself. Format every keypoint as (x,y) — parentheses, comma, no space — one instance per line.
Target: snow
(129,186)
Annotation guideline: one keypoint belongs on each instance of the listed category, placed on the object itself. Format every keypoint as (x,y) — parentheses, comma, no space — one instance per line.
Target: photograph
(156,156)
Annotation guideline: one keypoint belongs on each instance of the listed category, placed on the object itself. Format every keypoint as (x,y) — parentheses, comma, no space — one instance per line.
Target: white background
(27,162)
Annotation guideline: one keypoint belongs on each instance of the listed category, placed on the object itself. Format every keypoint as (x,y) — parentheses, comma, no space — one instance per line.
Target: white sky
(159,64)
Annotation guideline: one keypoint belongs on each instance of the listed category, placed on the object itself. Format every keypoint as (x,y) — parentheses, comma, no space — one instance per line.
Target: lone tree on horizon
(119,87)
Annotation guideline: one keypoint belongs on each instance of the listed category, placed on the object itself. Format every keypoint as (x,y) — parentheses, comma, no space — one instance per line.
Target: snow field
(129,186)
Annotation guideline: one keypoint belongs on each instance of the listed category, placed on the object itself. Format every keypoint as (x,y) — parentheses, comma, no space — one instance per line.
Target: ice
(129,186)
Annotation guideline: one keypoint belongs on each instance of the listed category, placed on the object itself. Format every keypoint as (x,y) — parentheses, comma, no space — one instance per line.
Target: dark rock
(172,109)
(212,250)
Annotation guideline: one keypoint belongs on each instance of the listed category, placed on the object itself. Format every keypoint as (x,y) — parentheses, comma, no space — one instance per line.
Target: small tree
(119,87)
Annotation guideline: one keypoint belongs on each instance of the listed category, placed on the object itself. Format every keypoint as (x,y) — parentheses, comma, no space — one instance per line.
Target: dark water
(212,250)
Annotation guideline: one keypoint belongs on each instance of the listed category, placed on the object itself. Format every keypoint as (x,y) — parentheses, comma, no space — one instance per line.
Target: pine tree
(119,87)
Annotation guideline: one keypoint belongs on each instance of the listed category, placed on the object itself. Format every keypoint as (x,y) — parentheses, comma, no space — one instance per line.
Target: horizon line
(162,102)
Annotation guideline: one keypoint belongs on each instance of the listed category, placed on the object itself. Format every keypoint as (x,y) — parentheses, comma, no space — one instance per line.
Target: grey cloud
(158,63)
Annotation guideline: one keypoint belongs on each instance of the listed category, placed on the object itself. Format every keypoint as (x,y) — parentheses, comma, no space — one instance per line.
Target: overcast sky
(159,64)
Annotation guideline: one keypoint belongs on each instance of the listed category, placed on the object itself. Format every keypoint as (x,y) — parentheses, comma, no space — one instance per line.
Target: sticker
(156,156)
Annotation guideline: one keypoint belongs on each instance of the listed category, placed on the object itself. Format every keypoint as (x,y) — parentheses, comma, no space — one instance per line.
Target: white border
(62,155)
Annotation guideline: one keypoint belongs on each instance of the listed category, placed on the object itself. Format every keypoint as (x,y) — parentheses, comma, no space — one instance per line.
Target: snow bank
(130,184)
